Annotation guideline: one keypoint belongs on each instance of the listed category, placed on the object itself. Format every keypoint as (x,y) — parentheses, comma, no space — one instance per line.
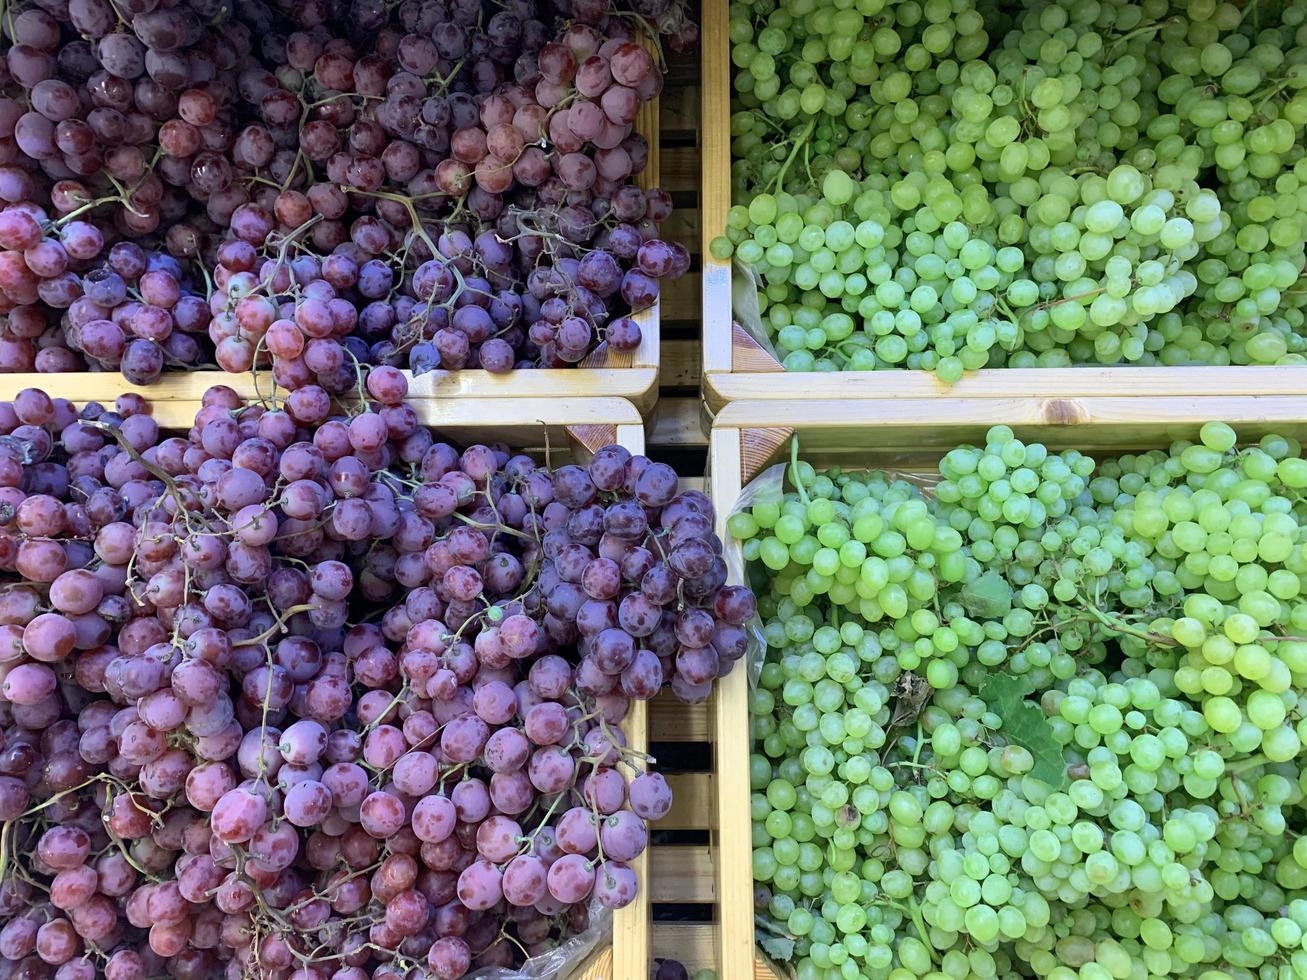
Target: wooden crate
(603,373)
(567,430)
(749,436)
(736,367)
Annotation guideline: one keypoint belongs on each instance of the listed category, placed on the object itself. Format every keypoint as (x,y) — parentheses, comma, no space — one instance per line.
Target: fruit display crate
(604,373)
(561,430)
(906,434)
(736,367)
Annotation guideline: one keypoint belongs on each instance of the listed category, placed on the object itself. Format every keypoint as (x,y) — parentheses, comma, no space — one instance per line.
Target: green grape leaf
(778,948)
(989,597)
(1024,723)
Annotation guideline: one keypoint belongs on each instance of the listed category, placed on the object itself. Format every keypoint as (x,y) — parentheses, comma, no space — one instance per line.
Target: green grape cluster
(1138,165)
(1109,257)
(1040,716)
(1240,97)
(927,292)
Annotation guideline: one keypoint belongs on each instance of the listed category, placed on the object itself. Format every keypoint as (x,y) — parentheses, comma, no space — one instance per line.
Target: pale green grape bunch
(1041,716)
(1138,166)
(1111,256)
(912,283)
(1241,98)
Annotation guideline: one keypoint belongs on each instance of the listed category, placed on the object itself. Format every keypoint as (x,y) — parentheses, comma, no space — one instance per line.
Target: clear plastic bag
(561,961)
(745,309)
(767,485)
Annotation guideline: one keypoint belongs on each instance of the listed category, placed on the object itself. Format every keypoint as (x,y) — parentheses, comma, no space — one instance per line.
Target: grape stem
(794,471)
(91,205)
(278,626)
(528,840)
(504,934)
(1141,31)
(1273,91)
(8,825)
(170,485)
(913,911)
(1252,762)
(1116,625)
(497,528)
(359,374)
(799,141)
(1071,299)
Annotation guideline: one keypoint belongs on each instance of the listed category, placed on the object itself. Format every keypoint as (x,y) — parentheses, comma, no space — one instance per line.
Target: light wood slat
(681,363)
(521,421)
(598,966)
(105,386)
(714,165)
(677,422)
(690,483)
(906,429)
(672,720)
(631,924)
(731,839)
(681,298)
(689,942)
(1005,383)
(683,225)
(637,384)
(681,873)
(692,801)
(680,165)
(680,110)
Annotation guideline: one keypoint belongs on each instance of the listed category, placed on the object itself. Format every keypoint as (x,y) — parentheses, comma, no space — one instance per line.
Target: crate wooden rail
(565,429)
(521,422)
(749,436)
(737,368)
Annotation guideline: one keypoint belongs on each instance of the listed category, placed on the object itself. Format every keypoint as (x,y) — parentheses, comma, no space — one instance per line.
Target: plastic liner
(561,961)
(770,485)
(745,309)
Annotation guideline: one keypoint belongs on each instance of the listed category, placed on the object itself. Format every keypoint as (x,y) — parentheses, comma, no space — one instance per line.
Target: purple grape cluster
(302,695)
(459,173)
